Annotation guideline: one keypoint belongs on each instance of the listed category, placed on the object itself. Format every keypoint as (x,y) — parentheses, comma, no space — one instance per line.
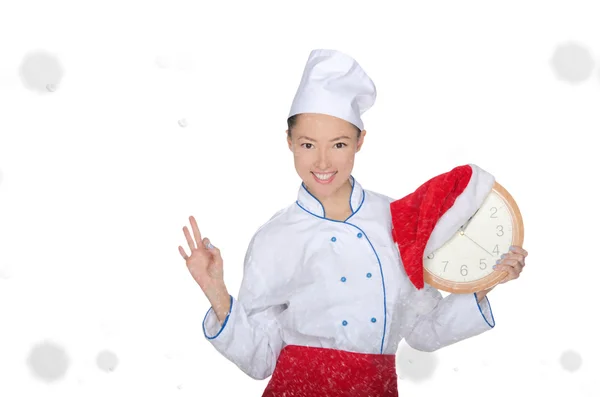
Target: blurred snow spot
(185,64)
(41,71)
(415,365)
(162,62)
(48,361)
(572,63)
(181,63)
(107,361)
(183,123)
(570,360)
(5,271)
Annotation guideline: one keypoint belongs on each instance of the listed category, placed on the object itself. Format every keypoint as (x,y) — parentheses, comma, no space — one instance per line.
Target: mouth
(324,178)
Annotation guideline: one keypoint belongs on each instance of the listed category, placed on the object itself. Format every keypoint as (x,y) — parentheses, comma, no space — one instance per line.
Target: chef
(324,301)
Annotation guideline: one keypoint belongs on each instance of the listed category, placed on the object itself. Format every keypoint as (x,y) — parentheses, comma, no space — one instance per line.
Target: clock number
(494,213)
(430,256)
(446,264)
(482,262)
(463,270)
(496,250)
(501,230)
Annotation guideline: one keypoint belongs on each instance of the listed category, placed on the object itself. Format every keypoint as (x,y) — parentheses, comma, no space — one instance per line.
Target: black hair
(291,122)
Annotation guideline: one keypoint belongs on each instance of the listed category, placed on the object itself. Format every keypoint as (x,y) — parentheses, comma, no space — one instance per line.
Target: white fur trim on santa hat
(466,204)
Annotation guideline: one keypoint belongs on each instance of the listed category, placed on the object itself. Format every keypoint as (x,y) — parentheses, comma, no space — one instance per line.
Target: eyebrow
(334,139)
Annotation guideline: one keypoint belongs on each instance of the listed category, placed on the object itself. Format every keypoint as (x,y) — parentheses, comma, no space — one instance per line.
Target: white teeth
(323,176)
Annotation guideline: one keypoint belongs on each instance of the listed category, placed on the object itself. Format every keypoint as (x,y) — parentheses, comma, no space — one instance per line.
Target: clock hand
(464,227)
(477,244)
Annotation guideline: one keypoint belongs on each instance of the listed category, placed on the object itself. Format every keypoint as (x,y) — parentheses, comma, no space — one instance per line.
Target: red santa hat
(426,219)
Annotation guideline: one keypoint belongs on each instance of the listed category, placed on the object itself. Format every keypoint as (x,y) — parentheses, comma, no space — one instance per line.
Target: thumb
(212,249)
(207,244)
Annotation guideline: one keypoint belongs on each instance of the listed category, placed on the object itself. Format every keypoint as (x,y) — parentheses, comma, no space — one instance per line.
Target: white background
(162,110)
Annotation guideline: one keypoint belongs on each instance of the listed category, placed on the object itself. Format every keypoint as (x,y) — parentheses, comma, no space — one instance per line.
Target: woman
(324,300)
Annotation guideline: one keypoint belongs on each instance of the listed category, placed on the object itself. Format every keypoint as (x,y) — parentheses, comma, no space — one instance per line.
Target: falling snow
(48,361)
(300,370)
(107,361)
(41,71)
(570,360)
(572,63)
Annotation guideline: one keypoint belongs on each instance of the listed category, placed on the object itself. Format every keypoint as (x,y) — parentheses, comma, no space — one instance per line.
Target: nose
(323,162)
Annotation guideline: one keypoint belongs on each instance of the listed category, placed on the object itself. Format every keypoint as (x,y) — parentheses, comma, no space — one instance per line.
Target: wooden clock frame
(518,234)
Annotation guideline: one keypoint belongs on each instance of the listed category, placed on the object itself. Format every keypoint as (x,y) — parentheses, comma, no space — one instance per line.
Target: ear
(361,139)
(289,140)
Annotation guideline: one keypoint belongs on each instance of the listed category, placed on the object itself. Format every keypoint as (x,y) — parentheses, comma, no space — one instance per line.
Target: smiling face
(324,148)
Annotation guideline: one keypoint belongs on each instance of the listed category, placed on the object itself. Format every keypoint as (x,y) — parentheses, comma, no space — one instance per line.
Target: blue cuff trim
(481,311)
(224,322)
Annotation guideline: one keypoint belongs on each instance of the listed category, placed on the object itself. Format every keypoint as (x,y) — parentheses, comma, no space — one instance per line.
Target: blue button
(344,323)
(333,239)
(343,279)
(359,235)
(373,320)
(369,275)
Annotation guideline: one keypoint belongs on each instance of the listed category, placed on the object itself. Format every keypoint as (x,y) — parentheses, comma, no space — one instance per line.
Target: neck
(339,202)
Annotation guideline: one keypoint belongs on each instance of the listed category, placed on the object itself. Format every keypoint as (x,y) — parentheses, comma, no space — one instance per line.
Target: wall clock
(464,263)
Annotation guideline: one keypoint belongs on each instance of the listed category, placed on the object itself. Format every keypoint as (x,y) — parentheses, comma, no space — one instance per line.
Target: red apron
(314,371)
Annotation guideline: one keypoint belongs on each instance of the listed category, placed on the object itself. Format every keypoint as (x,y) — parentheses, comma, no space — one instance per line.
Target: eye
(340,143)
(306,144)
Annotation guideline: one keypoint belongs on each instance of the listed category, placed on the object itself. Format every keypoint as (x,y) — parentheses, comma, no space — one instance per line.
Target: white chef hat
(333,83)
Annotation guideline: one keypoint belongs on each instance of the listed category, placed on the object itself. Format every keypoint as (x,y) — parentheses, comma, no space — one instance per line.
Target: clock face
(470,254)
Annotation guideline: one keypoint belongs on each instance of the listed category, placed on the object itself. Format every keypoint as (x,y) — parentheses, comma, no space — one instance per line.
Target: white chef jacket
(313,281)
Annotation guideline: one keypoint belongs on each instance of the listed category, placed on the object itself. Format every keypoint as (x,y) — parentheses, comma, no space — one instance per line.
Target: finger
(214,250)
(518,250)
(501,267)
(196,231)
(189,238)
(182,252)
(514,272)
(504,268)
(520,259)
(511,272)
(512,264)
